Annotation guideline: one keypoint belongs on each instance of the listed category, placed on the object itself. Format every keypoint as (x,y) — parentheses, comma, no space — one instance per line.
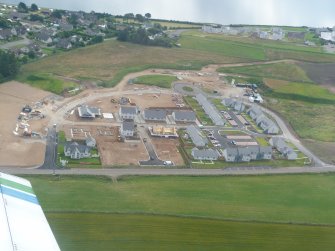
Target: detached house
(76,151)
(87,112)
(127,128)
(128,112)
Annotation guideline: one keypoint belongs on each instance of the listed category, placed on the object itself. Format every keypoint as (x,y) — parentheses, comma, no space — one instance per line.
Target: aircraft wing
(23,225)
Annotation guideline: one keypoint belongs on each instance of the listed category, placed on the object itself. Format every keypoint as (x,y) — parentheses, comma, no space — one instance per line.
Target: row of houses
(268,126)
(283,148)
(209,109)
(205,154)
(198,139)
(237,105)
(247,154)
(158,115)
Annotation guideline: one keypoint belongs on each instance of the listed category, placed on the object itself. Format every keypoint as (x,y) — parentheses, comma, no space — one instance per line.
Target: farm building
(198,139)
(283,148)
(155,114)
(247,154)
(127,128)
(87,112)
(76,151)
(128,112)
(184,116)
(210,110)
(205,154)
(164,132)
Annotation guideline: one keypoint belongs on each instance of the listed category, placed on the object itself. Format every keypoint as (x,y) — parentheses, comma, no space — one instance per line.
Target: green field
(48,82)
(141,212)
(284,71)
(163,81)
(86,232)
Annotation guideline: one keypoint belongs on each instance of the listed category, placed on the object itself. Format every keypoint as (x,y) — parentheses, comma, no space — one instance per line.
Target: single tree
(22,7)
(148,15)
(33,7)
(140,18)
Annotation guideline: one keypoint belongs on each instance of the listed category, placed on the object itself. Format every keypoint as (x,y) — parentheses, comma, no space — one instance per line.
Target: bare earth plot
(166,149)
(16,151)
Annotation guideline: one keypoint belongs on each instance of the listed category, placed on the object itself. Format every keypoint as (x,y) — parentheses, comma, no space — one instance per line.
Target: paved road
(172,172)
(50,158)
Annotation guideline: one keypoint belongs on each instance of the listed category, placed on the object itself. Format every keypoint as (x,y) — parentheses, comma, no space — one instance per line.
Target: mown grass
(297,198)
(132,213)
(86,232)
(48,82)
(163,81)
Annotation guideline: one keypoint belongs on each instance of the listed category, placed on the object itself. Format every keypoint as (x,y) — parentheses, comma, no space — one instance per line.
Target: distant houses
(212,113)
(283,148)
(247,154)
(268,126)
(196,136)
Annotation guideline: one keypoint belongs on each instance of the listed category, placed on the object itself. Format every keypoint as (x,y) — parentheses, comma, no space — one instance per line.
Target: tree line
(9,65)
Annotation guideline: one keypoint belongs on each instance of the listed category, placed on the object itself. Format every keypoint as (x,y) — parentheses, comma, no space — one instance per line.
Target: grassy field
(86,232)
(284,71)
(256,49)
(112,60)
(163,81)
(140,212)
(48,82)
(314,108)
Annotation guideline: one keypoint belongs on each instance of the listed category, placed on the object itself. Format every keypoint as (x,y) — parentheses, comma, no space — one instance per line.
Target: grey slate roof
(128,110)
(88,112)
(73,146)
(280,144)
(210,110)
(254,112)
(90,140)
(128,125)
(205,154)
(196,136)
(248,153)
(155,114)
(184,115)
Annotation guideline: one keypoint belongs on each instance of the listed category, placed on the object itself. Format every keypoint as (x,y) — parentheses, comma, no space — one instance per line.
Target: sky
(317,13)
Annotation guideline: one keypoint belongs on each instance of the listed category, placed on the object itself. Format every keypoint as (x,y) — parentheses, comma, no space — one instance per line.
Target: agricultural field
(110,61)
(255,49)
(82,217)
(162,81)
(284,71)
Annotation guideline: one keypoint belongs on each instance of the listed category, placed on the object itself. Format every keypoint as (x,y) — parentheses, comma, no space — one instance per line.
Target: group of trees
(153,36)
(9,65)
(22,7)
(138,17)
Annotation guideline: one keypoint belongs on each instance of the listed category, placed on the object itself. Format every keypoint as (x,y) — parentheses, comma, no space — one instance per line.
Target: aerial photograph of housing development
(167,125)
